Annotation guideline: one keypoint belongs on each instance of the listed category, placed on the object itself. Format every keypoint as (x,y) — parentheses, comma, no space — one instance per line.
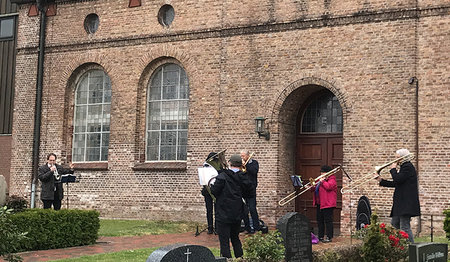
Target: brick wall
(243,60)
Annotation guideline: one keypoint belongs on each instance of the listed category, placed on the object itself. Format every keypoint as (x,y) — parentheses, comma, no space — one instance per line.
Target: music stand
(68,179)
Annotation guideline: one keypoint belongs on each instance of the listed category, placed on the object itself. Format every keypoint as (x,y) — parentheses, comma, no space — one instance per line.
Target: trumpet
(56,174)
(365,179)
(312,183)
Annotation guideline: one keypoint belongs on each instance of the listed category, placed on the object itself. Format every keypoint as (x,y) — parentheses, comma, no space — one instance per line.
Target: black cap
(325,169)
(211,155)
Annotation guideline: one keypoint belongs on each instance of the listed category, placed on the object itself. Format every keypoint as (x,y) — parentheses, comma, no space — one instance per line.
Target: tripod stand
(68,179)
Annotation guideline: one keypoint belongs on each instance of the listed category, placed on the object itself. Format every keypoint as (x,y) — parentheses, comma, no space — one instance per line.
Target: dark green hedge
(49,229)
(447,223)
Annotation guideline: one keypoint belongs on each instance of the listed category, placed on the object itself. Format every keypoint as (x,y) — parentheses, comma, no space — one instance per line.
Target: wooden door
(314,151)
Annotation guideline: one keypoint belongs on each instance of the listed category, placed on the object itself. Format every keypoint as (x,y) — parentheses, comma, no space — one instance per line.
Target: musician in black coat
(229,188)
(252,168)
(406,194)
(209,204)
(51,188)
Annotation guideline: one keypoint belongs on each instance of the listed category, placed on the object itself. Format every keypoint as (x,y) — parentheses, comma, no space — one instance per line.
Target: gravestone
(2,190)
(428,252)
(296,234)
(183,252)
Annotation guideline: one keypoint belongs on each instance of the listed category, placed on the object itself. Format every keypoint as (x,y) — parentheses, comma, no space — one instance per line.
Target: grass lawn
(115,228)
(127,255)
(109,227)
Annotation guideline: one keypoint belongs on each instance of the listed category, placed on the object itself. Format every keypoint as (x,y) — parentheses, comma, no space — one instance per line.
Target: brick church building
(136,93)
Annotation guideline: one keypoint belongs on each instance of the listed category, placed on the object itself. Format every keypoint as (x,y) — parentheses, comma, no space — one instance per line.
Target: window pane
(94,119)
(80,119)
(106,117)
(7,27)
(107,91)
(323,115)
(82,91)
(93,140)
(167,114)
(93,154)
(155,116)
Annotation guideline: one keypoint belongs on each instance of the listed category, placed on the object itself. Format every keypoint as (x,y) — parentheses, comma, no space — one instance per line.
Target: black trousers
(325,221)
(56,202)
(209,211)
(227,232)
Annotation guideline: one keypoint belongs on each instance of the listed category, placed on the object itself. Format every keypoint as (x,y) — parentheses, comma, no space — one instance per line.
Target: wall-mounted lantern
(260,129)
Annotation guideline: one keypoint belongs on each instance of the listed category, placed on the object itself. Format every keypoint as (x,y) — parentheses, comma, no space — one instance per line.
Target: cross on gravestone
(183,252)
(428,252)
(296,234)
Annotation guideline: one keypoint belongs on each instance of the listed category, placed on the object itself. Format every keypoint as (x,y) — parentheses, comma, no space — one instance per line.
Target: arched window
(92,117)
(323,115)
(167,114)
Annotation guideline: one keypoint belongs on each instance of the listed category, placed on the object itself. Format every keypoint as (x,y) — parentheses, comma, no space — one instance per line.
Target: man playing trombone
(406,194)
(251,168)
(51,186)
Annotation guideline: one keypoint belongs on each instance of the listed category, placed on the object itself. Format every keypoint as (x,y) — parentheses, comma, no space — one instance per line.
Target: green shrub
(447,223)
(350,253)
(268,247)
(10,236)
(16,203)
(49,229)
(383,242)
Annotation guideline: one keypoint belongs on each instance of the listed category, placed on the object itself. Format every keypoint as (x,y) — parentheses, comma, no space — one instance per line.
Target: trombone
(244,169)
(375,174)
(312,183)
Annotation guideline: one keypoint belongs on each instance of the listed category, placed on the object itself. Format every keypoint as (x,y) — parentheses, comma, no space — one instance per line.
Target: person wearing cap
(230,186)
(325,198)
(252,168)
(406,194)
(210,206)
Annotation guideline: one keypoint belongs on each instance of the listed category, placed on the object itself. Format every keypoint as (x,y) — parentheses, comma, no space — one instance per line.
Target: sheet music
(205,174)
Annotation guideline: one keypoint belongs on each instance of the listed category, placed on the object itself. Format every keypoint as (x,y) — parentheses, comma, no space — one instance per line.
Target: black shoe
(251,232)
(210,232)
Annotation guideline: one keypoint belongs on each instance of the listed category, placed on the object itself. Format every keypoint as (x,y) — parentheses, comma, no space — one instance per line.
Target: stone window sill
(91,166)
(162,165)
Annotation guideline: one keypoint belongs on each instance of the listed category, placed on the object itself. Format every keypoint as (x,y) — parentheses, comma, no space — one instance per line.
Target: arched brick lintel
(303,82)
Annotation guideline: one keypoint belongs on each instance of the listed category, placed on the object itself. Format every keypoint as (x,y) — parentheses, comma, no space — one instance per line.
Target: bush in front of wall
(16,203)
(384,243)
(447,223)
(50,229)
(351,253)
(10,236)
(264,247)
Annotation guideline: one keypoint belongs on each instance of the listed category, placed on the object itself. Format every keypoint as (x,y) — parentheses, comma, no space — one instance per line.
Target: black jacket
(406,193)
(48,180)
(252,169)
(228,190)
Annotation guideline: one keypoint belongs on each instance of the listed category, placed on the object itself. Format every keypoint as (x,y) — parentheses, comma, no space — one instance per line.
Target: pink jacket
(327,193)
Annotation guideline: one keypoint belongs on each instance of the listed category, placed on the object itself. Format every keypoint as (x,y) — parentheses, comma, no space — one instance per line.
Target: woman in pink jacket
(325,196)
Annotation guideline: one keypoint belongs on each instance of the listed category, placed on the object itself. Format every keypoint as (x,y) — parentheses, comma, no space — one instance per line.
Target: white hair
(402,152)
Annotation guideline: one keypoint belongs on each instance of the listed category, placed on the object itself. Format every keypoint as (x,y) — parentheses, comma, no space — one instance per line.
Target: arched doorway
(319,142)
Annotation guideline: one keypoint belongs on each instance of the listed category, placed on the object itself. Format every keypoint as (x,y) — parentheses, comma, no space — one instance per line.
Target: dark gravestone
(183,252)
(428,252)
(296,234)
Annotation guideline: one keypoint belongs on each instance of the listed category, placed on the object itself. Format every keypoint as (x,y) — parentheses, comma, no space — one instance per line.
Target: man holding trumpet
(251,168)
(51,186)
(406,194)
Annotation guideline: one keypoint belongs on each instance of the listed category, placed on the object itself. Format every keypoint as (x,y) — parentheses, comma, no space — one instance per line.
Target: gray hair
(402,152)
(246,152)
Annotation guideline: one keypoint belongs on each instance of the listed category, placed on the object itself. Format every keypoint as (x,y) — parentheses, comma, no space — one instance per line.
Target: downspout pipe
(414,81)
(38,108)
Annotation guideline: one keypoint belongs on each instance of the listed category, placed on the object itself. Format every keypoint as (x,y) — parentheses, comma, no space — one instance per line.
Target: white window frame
(105,117)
